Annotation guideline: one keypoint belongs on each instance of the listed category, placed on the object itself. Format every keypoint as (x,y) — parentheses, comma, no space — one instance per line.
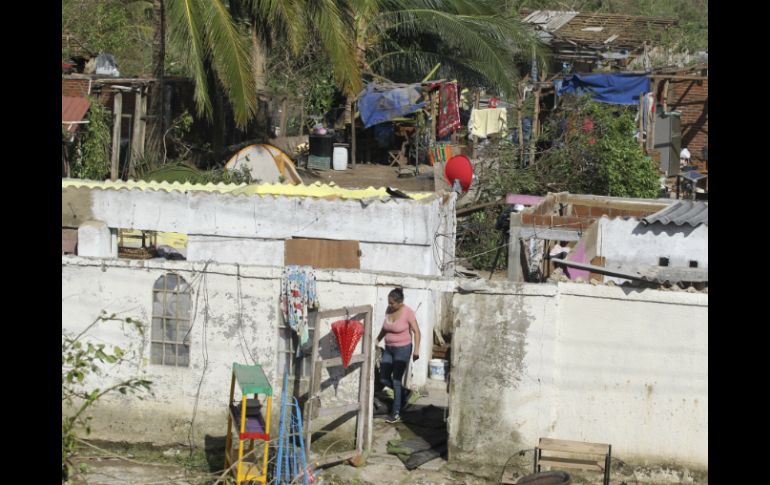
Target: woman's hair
(397,294)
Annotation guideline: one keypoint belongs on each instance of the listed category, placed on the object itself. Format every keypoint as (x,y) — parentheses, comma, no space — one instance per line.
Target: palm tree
(472,39)
(210,43)
(214,43)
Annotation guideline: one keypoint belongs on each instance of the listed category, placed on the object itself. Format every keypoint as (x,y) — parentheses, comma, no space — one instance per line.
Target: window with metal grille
(171,301)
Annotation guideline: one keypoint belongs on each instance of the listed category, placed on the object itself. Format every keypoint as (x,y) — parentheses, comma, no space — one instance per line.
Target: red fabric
(493,102)
(449,112)
(348,333)
(459,167)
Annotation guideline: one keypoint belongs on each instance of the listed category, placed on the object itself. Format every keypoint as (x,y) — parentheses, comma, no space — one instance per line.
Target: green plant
(597,153)
(80,361)
(93,153)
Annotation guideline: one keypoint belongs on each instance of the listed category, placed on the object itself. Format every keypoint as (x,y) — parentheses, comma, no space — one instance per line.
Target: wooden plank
(549,234)
(363,385)
(354,310)
(335,458)
(567,446)
(322,253)
(137,133)
(572,463)
(315,385)
(117,114)
(336,361)
(475,208)
(353,133)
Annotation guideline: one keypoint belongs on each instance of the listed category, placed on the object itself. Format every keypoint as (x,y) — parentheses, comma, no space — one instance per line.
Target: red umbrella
(348,334)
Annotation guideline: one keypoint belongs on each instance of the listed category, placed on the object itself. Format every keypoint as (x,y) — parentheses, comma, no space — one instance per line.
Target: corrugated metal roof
(317,189)
(549,20)
(680,213)
(73,109)
(653,274)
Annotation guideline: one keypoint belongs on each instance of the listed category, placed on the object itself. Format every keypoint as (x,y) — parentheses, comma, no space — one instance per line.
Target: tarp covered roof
(381,102)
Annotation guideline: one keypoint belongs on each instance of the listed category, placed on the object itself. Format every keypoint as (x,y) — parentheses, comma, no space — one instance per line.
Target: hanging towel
(298,295)
(485,122)
(449,112)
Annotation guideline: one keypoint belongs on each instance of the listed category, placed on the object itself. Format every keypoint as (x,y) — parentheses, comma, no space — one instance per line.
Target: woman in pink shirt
(398,328)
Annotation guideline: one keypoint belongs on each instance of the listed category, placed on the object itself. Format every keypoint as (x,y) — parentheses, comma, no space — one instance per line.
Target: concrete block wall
(578,362)
(236,317)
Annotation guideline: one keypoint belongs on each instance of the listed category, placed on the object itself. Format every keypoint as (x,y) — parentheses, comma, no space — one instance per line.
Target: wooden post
(651,125)
(284,117)
(117,112)
(521,127)
(641,120)
(535,127)
(665,96)
(352,134)
(137,138)
(434,101)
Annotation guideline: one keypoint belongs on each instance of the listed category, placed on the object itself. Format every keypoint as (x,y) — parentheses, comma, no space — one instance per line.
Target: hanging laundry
(298,295)
(449,112)
(485,122)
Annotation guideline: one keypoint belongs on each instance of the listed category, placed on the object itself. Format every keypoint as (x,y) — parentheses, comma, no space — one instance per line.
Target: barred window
(171,301)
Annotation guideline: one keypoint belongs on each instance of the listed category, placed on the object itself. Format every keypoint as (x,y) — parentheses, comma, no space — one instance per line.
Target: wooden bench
(574,454)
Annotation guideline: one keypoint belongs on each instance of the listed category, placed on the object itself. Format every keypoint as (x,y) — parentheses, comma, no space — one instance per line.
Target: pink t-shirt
(397,332)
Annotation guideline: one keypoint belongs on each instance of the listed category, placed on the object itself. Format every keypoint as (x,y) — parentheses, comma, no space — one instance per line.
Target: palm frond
(228,51)
(469,35)
(185,21)
(335,29)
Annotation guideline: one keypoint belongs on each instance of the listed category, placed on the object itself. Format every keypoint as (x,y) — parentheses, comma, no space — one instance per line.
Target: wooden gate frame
(365,387)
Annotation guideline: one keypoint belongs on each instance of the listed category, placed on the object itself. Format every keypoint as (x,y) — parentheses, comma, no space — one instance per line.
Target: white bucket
(340,158)
(439,369)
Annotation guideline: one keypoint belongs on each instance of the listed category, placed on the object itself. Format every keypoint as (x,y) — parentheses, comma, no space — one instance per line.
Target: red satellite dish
(459,168)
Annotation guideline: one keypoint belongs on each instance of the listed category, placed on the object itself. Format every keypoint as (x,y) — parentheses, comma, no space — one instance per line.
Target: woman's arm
(415,329)
(380,336)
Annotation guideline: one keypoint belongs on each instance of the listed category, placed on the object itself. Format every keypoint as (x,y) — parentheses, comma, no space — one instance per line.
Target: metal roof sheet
(680,213)
(73,109)
(318,190)
(549,20)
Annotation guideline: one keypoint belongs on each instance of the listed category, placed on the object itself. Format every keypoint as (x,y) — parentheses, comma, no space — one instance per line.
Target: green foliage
(477,41)
(92,160)
(604,161)
(308,75)
(80,361)
(119,27)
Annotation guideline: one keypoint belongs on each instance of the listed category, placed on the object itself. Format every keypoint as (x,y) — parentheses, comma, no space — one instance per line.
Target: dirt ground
(122,464)
(374,175)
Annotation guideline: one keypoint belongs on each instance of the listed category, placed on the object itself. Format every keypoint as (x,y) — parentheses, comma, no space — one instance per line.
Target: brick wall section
(691,99)
(583,218)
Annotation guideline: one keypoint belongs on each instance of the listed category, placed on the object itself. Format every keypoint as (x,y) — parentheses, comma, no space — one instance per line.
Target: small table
(693,177)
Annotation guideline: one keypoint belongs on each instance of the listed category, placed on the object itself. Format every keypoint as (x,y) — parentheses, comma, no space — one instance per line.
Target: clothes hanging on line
(298,295)
(485,122)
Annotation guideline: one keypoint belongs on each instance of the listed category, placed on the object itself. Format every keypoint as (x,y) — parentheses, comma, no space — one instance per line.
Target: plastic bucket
(439,369)
(340,158)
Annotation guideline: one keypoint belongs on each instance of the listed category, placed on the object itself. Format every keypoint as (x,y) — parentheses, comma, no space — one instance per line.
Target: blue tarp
(606,88)
(383,102)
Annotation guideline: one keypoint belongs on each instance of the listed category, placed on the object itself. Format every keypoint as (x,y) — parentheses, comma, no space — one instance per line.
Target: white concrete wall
(578,362)
(409,236)
(235,320)
(631,242)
